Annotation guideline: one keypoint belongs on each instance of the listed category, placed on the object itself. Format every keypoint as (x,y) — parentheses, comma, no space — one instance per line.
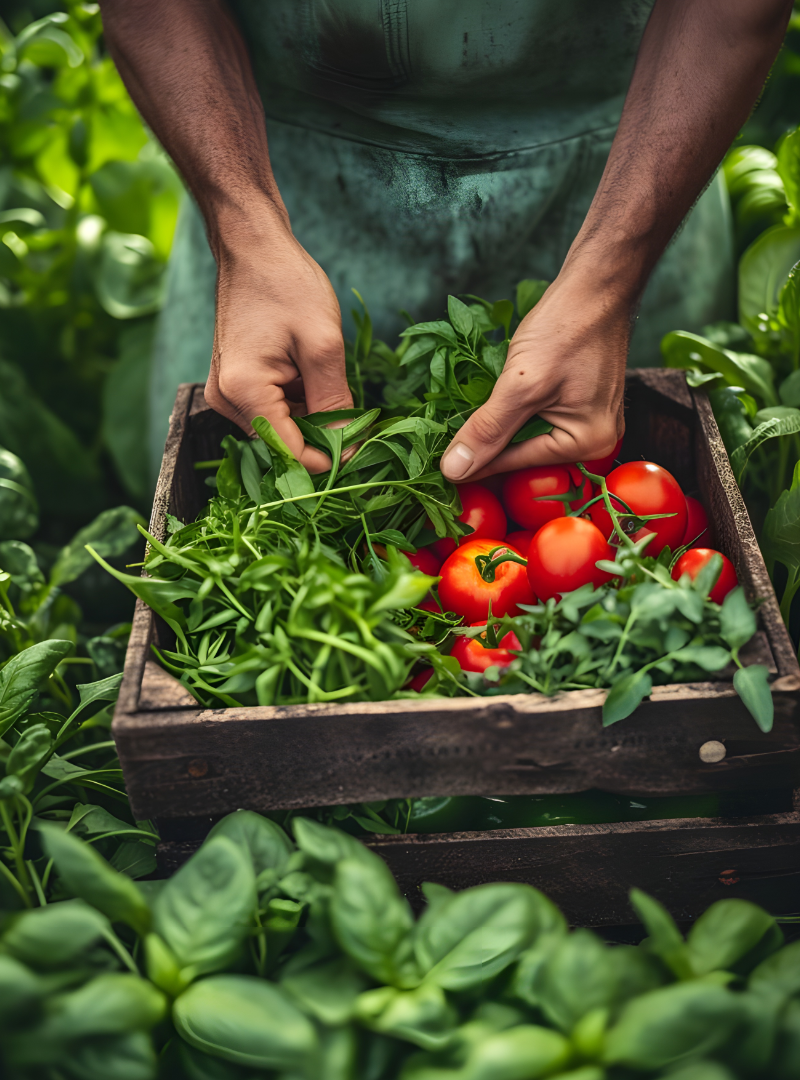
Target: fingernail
(457,461)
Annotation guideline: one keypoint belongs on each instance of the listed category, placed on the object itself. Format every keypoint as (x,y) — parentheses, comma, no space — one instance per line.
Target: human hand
(565,362)
(278,339)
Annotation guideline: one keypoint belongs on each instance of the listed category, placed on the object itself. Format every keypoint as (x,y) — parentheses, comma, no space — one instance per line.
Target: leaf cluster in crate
(647,630)
(266,957)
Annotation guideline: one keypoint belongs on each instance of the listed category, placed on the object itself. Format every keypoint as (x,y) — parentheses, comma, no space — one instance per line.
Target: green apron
(427,147)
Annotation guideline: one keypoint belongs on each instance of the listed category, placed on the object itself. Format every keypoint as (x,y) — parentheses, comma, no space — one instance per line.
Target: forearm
(186,67)
(700,69)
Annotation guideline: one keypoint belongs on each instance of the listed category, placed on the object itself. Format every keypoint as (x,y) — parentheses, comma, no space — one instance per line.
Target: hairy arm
(700,68)
(278,321)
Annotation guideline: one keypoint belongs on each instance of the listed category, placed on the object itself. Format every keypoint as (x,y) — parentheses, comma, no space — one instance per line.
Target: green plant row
(262,957)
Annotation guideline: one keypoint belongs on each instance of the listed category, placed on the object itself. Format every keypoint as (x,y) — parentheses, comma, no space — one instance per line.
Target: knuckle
(488,427)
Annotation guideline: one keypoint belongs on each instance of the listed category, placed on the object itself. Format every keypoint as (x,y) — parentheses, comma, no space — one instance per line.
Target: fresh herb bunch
(646,628)
(264,956)
(293,588)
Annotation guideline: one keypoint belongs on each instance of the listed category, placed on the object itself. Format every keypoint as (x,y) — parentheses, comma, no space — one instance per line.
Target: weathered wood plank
(588,870)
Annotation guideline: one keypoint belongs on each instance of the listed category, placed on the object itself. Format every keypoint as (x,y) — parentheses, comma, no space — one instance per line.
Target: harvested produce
(293,588)
(534,496)
(697,532)
(464,589)
(644,488)
(563,556)
(694,560)
(474,654)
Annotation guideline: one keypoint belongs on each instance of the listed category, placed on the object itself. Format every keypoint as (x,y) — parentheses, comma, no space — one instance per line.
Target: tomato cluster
(534,543)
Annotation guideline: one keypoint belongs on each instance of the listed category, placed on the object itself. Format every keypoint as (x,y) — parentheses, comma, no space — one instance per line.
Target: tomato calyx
(487,563)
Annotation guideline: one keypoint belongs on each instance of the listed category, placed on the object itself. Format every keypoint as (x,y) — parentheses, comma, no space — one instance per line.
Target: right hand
(278,340)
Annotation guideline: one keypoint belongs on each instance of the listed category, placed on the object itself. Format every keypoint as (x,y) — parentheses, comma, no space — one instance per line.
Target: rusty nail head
(197,768)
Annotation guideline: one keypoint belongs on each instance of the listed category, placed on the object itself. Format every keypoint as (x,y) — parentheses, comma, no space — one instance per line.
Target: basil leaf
(625,696)
(737,619)
(23,674)
(752,685)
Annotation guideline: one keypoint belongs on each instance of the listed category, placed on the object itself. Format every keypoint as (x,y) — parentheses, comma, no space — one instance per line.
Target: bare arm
(278,321)
(700,68)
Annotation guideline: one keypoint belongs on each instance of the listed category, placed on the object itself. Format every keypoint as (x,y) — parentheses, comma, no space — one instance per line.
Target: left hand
(565,362)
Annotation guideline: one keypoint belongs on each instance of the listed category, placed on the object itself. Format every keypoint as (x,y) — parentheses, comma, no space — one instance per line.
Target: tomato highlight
(562,557)
(645,488)
(464,590)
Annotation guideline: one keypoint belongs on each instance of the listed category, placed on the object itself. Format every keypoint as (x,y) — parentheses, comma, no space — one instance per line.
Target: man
(421,147)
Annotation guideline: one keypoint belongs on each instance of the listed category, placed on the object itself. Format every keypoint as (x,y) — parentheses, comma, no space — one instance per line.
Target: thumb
(487,432)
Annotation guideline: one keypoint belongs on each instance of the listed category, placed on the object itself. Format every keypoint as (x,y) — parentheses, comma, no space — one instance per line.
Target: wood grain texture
(181,760)
(588,870)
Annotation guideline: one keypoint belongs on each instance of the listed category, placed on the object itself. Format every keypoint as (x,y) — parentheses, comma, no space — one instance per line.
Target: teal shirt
(427,147)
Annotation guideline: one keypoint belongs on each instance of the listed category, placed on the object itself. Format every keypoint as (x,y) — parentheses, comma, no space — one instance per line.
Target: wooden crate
(184,763)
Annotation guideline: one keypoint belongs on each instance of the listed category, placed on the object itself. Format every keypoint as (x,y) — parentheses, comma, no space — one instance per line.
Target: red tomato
(693,561)
(463,590)
(562,557)
(418,681)
(696,524)
(425,560)
(521,540)
(522,489)
(482,511)
(430,605)
(472,656)
(647,489)
(603,466)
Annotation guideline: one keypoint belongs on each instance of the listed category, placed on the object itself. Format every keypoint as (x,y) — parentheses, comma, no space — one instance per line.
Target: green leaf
(22,676)
(731,416)
(664,938)
(129,276)
(245,1020)
(728,933)
(205,910)
(109,1004)
(369,917)
(111,534)
(529,293)
(737,618)
(55,936)
(708,657)
(789,311)
(779,972)
(158,594)
(780,536)
(33,745)
(472,936)
(524,1052)
(531,428)
(752,685)
(19,510)
(291,478)
(625,696)
(770,429)
(20,991)
(789,167)
(422,1016)
(326,989)
(789,390)
(266,844)
(88,876)
(684,350)
(667,1025)
(329,846)
(460,316)
(123,1057)
(763,270)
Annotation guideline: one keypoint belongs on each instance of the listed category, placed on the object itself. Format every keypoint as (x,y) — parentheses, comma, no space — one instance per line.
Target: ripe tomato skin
(521,540)
(523,488)
(463,590)
(603,466)
(647,489)
(472,656)
(482,511)
(429,604)
(418,681)
(697,532)
(425,560)
(562,557)
(693,561)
